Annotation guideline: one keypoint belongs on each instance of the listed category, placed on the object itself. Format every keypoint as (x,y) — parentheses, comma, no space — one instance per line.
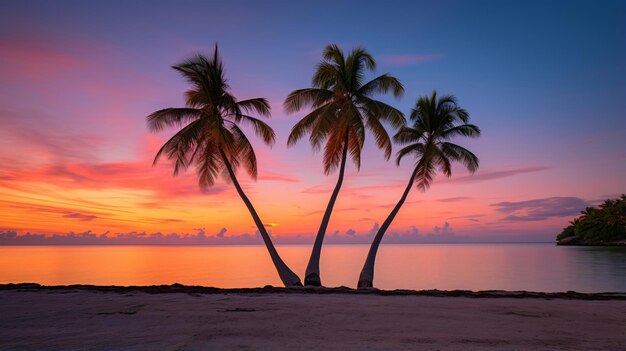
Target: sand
(127,319)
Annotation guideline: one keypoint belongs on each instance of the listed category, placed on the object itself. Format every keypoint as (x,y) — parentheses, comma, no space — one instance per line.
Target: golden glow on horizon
(59,206)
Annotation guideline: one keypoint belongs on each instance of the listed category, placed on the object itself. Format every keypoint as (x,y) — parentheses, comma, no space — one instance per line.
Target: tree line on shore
(602,225)
(342,109)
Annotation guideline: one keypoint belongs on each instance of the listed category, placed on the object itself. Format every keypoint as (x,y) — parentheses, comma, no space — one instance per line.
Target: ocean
(532,267)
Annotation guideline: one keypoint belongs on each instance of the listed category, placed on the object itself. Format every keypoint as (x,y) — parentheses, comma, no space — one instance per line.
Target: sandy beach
(68,318)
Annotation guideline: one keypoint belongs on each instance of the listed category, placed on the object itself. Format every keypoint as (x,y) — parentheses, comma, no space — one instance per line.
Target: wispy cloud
(454,199)
(493,174)
(129,175)
(278,178)
(410,59)
(540,209)
(81,217)
(334,210)
(39,138)
(317,189)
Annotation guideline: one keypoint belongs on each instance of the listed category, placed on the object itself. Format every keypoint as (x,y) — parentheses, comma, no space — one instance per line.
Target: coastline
(591,244)
(268,289)
(180,317)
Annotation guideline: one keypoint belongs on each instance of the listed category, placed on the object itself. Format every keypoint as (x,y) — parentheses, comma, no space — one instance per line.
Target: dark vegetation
(602,225)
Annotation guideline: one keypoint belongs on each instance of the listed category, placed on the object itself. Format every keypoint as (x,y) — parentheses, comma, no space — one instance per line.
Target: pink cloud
(27,59)
(44,58)
(454,199)
(131,175)
(492,175)
(37,138)
(277,178)
(317,189)
(402,60)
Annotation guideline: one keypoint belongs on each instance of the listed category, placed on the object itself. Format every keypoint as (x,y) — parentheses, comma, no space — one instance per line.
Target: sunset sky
(545,81)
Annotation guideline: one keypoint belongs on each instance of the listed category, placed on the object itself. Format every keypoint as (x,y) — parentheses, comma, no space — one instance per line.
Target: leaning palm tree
(210,137)
(342,108)
(435,122)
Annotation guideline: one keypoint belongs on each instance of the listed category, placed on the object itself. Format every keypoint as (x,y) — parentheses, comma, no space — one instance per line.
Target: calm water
(535,267)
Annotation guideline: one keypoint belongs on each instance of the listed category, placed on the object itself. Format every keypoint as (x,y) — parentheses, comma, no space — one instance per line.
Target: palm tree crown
(343,107)
(211,139)
(209,123)
(434,123)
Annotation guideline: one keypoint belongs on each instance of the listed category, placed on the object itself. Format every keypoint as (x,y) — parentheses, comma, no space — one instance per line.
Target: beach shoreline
(269,289)
(178,317)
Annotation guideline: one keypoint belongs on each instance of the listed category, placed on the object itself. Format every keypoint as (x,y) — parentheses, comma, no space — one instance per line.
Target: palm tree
(210,137)
(435,121)
(342,108)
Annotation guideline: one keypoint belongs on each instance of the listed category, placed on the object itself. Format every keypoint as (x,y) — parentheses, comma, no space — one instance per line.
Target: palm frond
(408,135)
(426,171)
(257,105)
(461,154)
(298,99)
(380,135)
(381,85)
(361,55)
(179,146)
(333,149)
(466,130)
(306,124)
(333,53)
(443,162)
(246,153)
(171,117)
(324,124)
(261,129)
(384,112)
(327,76)
(417,149)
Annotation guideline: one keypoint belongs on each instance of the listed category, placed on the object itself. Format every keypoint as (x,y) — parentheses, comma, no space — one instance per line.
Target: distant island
(604,225)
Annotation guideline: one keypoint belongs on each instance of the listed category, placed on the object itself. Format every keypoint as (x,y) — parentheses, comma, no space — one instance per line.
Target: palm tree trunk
(366,279)
(288,277)
(312,274)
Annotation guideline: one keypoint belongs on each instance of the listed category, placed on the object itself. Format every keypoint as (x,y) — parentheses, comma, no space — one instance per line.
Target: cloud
(410,235)
(130,175)
(39,137)
(278,178)
(468,216)
(82,217)
(374,230)
(445,230)
(492,175)
(362,191)
(317,189)
(454,199)
(541,209)
(37,59)
(11,237)
(410,59)
(201,232)
(334,210)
